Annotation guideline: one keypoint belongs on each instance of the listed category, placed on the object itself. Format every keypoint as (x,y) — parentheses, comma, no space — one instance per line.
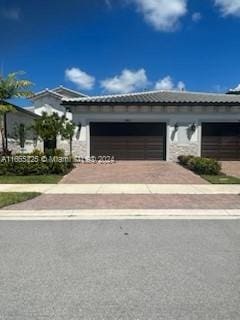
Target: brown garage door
(128,141)
(221,141)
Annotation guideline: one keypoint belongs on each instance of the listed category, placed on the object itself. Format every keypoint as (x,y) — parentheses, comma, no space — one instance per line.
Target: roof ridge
(119,95)
(70,90)
(47,91)
(132,94)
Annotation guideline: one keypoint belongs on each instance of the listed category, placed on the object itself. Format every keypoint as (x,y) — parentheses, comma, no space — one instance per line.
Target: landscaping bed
(46,179)
(35,167)
(208,169)
(9,198)
(221,179)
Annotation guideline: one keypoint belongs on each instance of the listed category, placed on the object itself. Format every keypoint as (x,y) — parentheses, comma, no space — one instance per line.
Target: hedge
(201,166)
(36,163)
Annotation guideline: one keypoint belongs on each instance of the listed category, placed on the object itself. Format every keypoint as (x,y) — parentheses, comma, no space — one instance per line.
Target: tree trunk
(70,146)
(5,131)
(2,133)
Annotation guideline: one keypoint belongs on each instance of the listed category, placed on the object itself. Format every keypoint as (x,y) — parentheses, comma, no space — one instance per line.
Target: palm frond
(12,87)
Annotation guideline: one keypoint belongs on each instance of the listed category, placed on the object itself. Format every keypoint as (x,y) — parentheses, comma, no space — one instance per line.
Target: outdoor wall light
(193,127)
(176,126)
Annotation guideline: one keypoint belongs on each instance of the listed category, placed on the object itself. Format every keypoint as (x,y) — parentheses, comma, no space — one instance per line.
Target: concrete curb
(117,214)
(121,188)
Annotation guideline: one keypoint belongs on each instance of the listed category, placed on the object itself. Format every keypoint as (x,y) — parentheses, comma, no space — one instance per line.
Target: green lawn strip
(48,179)
(221,179)
(8,198)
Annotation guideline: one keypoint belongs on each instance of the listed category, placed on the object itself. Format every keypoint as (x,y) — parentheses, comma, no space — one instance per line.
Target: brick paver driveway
(151,172)
(120,201)
(231,168)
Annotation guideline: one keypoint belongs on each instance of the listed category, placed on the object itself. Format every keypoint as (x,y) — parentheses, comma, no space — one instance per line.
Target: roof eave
(166,103)
(23,110)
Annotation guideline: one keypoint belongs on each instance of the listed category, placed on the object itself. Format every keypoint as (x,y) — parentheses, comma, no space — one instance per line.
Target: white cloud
(11,13)
(164,15)
(181,86)
(229,7)
(237,88)
(196,16)
(167,84)
(127,81)
(80,78)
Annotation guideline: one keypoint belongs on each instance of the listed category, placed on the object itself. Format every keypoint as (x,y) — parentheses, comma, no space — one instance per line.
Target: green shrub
(183,160)
(205,166)
(201,166)
(55,153)
(37,152)
(58,163)
(36,163)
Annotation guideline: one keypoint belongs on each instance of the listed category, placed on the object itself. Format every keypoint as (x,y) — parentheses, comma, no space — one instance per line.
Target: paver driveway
(127,201)
(155,172)
(231,168)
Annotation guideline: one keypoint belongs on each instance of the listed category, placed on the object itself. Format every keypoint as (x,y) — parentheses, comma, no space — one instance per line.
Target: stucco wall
(50,104)
(180,141)
(14,119)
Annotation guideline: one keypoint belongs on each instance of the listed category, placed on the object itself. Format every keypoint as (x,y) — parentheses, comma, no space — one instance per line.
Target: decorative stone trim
(176,150)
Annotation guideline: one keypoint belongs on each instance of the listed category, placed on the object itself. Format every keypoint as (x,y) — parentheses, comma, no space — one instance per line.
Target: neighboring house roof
(158,98)
(59,92)
(24,110)
(32,108)
(66,92)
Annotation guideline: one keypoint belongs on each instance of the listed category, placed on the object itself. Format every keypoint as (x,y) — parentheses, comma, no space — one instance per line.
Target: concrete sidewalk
(122,188)
(116,214)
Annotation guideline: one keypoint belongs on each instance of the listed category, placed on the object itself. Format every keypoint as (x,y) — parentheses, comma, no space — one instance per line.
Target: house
(157,125)
(49,100)
(20,136)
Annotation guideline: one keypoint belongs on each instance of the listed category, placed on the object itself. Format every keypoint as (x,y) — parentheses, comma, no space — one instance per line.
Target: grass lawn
(8,198)
(221,179)
(50,179)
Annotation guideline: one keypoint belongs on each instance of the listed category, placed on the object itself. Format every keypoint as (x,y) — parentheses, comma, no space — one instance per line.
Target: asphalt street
(138,270)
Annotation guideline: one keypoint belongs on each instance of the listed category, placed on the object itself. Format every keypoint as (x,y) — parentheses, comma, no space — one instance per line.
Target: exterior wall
(178,142)
(50,104)
(14,119)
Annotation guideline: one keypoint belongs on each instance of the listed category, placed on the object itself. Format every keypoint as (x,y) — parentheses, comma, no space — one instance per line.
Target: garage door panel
(221,141)
(129,141)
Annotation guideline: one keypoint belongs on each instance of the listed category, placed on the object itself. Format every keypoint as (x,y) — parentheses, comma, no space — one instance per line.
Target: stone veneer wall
(14,146)
(80,148)
(176,150)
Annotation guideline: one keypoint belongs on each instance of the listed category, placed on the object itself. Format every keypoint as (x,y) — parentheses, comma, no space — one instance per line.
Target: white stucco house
(156,125)
(50,100)
(44,101)
(20,119)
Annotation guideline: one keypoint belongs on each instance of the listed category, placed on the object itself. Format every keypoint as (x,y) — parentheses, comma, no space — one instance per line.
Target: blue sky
(111,46)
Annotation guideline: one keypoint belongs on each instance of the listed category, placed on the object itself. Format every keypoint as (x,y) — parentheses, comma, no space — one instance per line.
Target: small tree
(11,87)
(4,109)
(68,131)
(48,127)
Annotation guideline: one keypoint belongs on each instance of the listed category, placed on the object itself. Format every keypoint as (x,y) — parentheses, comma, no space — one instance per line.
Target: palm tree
(11,87)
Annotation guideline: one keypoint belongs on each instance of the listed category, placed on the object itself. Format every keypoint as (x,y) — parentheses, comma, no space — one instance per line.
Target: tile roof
(158,97)
(60,92)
